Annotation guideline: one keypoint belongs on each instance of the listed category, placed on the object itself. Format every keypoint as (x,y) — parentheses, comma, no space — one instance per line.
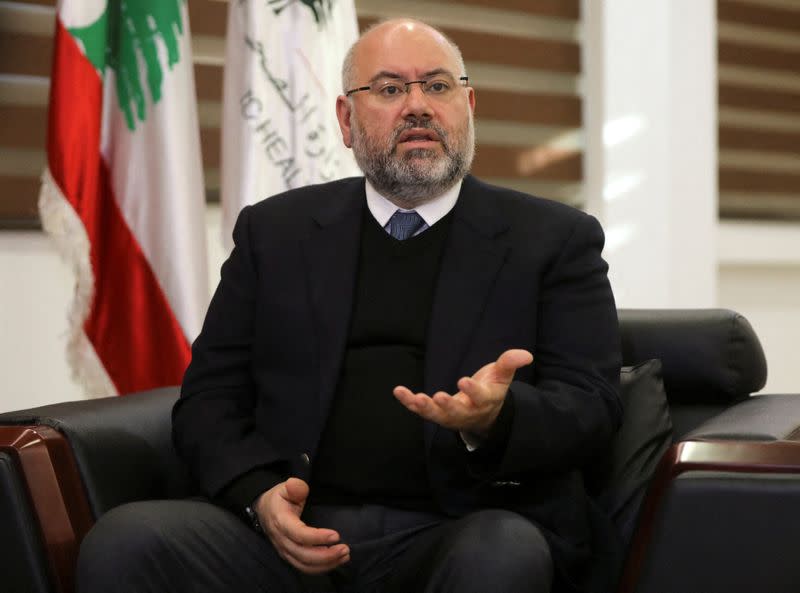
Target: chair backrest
(711,358)
(682,367)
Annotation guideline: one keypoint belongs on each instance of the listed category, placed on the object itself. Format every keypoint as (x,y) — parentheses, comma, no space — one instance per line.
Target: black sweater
(372,449)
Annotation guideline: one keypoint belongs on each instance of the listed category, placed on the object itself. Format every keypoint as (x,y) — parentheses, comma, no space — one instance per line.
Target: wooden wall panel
(757,182)
(18,208)
(759,99)
(24,126)
(208,18)
(759,81)
(556,110)
(23,53)
(208,82)
(528,163)
(564,9)
(758,14)
(764,140)
(755,56)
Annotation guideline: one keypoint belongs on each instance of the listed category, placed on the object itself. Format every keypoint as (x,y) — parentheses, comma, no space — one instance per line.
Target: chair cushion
(645,434)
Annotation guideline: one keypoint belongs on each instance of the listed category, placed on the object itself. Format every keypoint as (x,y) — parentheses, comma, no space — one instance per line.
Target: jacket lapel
(331,254)
(474,253)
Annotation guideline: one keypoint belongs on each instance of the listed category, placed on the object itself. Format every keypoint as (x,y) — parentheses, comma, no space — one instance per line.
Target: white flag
(282,75)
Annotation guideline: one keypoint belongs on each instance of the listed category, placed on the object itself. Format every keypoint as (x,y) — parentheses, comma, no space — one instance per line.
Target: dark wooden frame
(729,456)
(56,494)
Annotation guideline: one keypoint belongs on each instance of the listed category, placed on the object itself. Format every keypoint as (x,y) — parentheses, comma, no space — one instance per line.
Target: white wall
(651,154)
(759,276)
(34,300)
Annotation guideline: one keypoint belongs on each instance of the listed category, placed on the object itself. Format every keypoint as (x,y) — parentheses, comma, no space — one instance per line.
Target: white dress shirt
(431,212)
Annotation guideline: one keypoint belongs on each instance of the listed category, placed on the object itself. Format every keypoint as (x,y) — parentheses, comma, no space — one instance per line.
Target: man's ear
(471,98)
(343,111)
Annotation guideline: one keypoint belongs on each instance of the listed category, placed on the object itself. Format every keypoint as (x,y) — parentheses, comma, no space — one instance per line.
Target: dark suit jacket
(517,272)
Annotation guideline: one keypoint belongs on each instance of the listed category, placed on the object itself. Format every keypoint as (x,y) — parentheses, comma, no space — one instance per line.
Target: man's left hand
(476,406)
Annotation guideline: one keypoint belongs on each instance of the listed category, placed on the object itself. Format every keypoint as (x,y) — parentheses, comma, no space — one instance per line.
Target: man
(399,379)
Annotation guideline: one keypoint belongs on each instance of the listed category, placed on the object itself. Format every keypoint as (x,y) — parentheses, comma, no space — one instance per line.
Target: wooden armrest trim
(56,493)
(702,455)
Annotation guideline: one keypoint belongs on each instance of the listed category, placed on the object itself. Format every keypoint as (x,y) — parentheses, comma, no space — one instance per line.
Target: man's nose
(415,102)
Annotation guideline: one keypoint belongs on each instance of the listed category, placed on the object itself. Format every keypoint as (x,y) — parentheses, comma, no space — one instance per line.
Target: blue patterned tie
(403,225)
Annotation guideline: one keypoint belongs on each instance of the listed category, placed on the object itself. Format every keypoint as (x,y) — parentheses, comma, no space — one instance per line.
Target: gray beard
(419,175)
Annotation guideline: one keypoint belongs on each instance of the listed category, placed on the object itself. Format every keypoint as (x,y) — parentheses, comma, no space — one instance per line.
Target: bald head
(388,38)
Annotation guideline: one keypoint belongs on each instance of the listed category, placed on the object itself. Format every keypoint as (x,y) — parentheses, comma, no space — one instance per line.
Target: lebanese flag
(122,195)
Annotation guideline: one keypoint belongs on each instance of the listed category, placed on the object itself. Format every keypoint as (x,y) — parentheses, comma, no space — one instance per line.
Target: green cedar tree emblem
(127,33)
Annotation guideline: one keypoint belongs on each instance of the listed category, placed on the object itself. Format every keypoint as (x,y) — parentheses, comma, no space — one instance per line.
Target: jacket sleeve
(214,419)
(571,408)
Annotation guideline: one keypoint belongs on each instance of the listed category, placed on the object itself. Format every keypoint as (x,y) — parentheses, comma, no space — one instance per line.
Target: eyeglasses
(389,90)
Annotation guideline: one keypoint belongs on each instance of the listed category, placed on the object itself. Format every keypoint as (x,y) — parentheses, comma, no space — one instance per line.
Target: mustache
(421,123)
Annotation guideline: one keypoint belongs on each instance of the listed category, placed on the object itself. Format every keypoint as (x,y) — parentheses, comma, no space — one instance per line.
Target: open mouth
(418,135)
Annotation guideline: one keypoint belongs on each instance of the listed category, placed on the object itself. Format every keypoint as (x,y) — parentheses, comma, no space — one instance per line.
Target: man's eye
(437,86)
(390,90)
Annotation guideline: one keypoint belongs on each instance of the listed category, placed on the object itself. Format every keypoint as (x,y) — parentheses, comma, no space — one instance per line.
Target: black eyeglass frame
(464,79)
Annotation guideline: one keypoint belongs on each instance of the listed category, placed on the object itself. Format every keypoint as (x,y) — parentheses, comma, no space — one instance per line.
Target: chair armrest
(122,446)
(758,418)
(69,463)
(23,562)
(46,497)
(719,516)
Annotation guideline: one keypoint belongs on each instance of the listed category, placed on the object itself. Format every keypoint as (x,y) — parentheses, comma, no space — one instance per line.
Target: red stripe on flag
(131,324)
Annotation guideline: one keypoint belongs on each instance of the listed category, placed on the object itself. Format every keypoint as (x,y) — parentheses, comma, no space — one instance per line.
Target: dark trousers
(192,546)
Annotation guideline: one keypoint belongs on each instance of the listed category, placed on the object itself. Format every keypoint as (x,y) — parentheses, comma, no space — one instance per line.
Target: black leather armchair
(718,512)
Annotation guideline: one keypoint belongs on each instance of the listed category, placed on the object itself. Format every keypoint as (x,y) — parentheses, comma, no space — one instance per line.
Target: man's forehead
(407,48)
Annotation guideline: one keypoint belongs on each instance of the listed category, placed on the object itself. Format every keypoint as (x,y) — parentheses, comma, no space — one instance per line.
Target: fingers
(471,387)
(453,404)
(416,402)
(442,408)
(309,549)
(313,559)
(295,491)
(511,360)
(479,399)
(419,403)
(291,527)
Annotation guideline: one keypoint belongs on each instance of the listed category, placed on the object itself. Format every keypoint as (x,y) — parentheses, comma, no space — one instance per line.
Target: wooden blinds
(759,108)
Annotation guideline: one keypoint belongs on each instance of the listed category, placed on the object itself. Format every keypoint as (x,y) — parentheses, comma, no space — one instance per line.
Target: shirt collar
(431,212)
